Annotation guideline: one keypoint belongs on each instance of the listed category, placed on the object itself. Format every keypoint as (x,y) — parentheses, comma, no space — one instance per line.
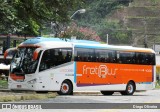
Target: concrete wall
(158,59)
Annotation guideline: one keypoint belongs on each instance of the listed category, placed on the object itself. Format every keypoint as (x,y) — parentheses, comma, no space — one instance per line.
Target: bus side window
(55,57)
(52,58)
(63,55)
(127,57)
(90,59)
(110,57)
(84,55)
(152,59)
(77,58)
(105,56)
(67,57)
(60,57)
(140,58)
(44,61)
(145,58)
(149,60)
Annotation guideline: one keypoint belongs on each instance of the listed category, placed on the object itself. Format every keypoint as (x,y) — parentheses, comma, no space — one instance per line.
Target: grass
(10,96)
(158,84)
(28,96)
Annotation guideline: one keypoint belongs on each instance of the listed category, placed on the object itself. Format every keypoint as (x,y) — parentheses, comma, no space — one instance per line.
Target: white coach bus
(51,64)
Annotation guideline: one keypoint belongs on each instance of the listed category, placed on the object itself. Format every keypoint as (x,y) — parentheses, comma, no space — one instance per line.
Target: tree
(96,18)
(28,16)
(9,22)
(80,33)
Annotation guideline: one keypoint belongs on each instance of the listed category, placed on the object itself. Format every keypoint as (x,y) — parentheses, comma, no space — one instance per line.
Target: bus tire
(130,89)
(66,88)
(107,92)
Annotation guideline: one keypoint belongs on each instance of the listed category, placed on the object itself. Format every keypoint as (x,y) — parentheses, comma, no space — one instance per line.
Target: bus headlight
(32,81)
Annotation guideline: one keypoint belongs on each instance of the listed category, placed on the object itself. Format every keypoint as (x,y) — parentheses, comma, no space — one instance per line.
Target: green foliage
(117,34)
(26,17)
(3,84)
(95,18)
(154,2)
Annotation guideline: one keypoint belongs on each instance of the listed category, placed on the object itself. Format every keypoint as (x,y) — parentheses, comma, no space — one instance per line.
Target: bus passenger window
(105,56)
(63,55)
(44,61)
(127,57)
(52,58)
(60,58)
(68,57)
(55,57)
(84,55)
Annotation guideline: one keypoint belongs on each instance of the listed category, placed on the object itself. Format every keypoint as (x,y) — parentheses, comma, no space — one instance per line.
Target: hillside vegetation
(129,22)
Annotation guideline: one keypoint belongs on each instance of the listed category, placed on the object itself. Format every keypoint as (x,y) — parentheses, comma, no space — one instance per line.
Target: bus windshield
(23,62)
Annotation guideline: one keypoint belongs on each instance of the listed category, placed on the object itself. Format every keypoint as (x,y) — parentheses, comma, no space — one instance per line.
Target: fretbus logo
(101,70)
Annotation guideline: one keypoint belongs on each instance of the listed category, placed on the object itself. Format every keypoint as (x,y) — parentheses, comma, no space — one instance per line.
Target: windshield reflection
(23,62)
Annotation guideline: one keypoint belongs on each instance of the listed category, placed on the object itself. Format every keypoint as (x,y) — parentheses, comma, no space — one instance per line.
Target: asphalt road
(152,97)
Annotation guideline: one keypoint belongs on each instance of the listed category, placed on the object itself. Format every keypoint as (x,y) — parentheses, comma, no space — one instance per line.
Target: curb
(86,93)
(16,91)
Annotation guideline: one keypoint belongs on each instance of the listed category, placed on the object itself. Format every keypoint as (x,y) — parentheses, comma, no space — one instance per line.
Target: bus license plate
(19,86)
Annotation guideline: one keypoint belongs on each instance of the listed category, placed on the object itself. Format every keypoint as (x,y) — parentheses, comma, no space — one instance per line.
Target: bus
(65,66)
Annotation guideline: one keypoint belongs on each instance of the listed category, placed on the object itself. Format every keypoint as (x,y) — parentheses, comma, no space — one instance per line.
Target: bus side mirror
(10,51)
(35,54)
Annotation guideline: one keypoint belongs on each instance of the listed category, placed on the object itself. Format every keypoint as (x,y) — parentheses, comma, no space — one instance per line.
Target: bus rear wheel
(130,89)
(107,92)
(66,88)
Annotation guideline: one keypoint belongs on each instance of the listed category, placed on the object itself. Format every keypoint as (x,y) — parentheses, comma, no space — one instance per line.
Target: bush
(3,84)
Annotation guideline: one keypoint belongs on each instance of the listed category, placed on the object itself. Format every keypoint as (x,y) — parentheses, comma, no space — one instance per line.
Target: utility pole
(107,39)
(145,37)
(4,46)
(8,41)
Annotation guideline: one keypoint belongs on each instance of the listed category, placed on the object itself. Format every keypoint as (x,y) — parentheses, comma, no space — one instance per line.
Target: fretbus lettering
(101,71)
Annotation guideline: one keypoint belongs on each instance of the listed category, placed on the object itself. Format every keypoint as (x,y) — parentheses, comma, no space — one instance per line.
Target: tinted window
(126,57)
(55,57)
(86,55)
(105,56)
(145,58)
(111,56)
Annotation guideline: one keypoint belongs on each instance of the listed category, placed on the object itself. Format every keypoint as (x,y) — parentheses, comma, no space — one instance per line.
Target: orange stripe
(102,73)
(15,77)
(145,51)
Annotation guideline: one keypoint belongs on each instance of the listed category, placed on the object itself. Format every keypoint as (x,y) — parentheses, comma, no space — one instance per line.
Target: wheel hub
(130,88)
(64,88)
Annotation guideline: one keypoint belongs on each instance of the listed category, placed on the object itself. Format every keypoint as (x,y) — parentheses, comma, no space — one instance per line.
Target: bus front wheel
(130,89)
(107,92)
(66,88)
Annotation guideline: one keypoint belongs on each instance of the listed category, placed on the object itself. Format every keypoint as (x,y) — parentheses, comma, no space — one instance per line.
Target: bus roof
(57,42)
(42,39)
(114,47)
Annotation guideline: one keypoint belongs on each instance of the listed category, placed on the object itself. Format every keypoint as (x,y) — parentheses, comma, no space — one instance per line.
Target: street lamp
(78,11)
(54,25)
